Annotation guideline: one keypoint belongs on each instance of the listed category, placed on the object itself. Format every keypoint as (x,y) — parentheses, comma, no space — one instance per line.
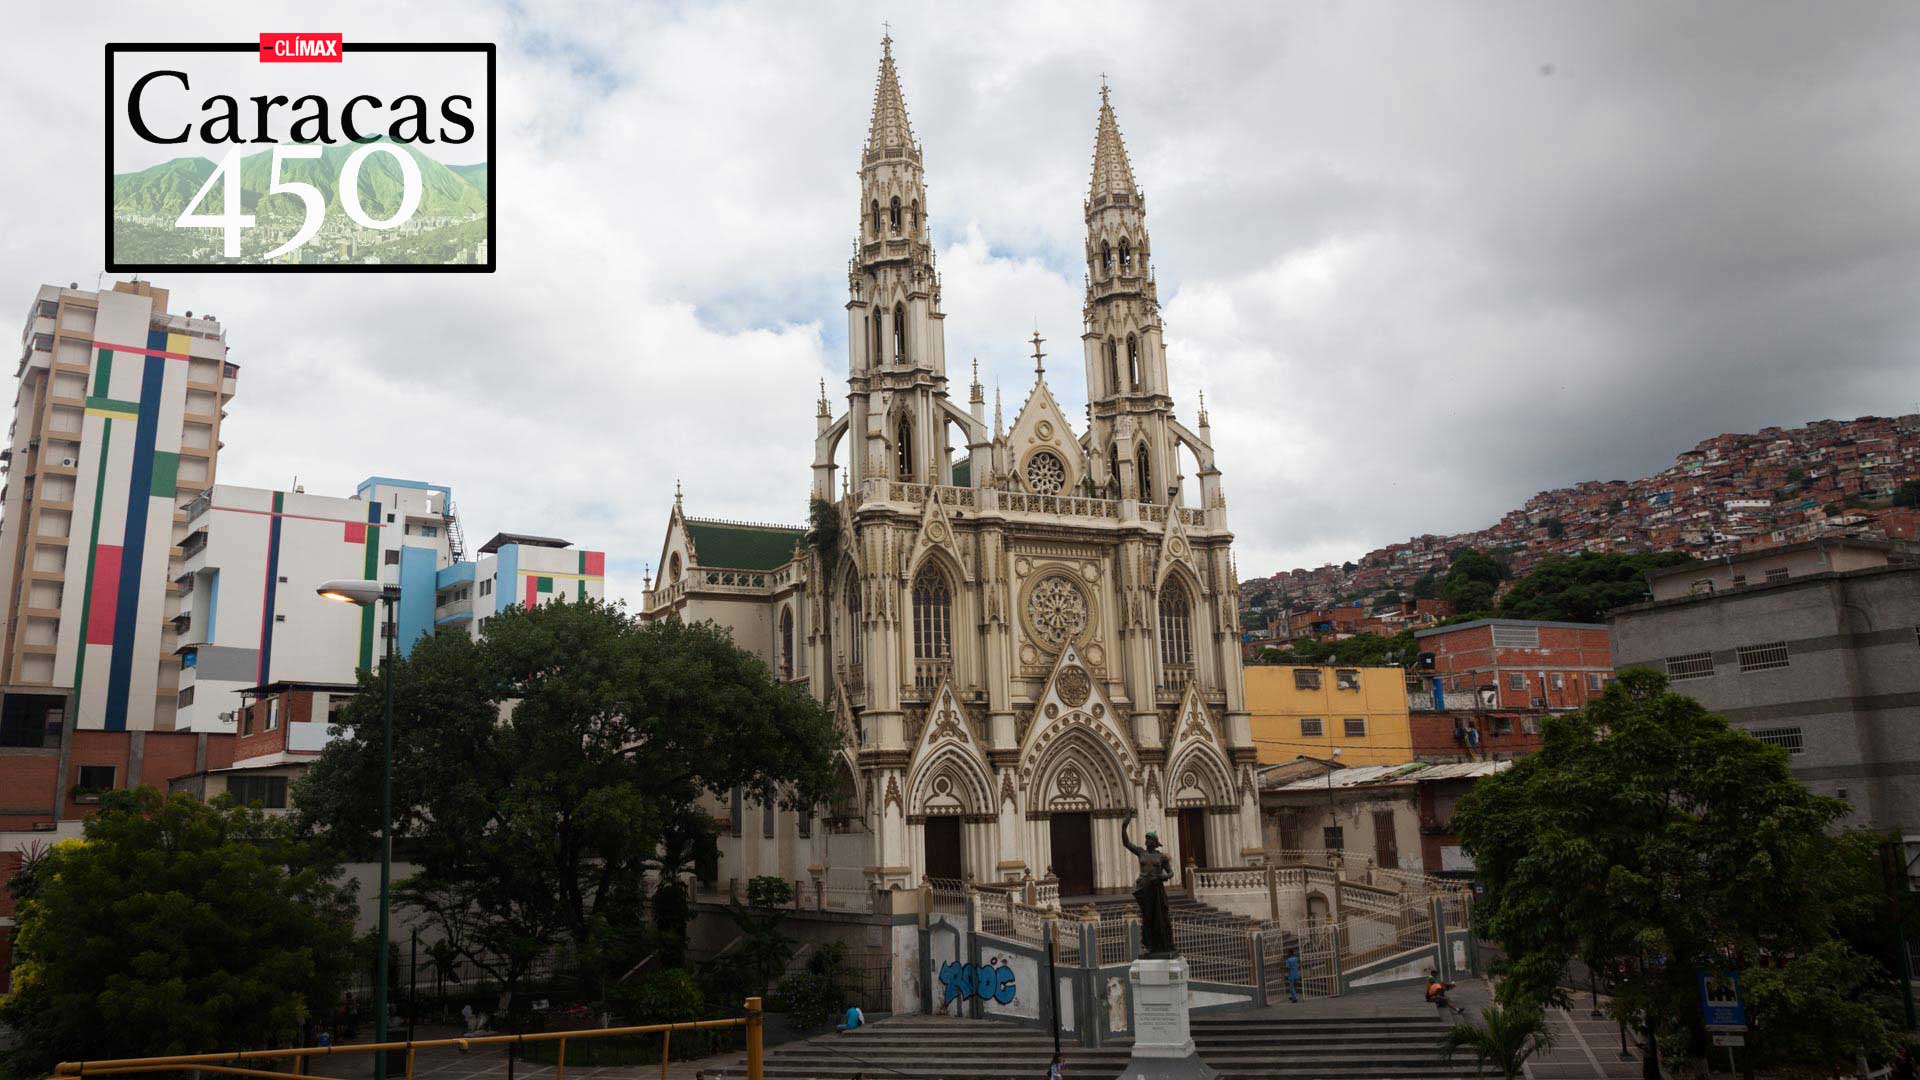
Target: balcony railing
(1175,677)
(928,673)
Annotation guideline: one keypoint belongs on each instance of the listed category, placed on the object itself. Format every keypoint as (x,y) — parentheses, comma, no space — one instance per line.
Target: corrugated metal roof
(1408,773)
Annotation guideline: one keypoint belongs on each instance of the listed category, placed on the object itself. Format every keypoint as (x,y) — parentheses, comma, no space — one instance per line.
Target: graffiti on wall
(987,982)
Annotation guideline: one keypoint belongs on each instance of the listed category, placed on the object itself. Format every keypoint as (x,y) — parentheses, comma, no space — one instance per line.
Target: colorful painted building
(116,427)
(1307,711)
(250,616)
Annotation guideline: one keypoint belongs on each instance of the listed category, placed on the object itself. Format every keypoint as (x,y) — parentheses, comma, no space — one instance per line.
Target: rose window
(1057,610)
(1046,473)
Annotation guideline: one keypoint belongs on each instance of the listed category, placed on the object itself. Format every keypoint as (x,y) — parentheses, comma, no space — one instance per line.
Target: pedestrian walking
(1293,976)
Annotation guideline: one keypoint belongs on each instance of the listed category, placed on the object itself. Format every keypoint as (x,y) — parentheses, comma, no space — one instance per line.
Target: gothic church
(1022,639)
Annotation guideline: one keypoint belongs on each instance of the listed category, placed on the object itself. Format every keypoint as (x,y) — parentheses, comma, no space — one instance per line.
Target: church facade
(1024,630)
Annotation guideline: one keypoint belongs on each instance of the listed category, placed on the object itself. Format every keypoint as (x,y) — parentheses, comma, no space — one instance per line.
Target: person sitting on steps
(1437,994)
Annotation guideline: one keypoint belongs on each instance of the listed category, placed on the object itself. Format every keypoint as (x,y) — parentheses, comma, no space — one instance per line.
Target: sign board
(1720,1003)
(1729,1039)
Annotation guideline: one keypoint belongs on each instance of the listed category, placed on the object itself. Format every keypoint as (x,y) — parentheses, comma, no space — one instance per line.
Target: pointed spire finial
(1039,358)
(1203,408)
(676,493)
(996,410)
(978,396)
(890,128)
(1112,173)
(647,575)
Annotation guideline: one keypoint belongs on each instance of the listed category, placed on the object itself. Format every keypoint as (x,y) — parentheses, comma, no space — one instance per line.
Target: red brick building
(51,778)
(1495,664)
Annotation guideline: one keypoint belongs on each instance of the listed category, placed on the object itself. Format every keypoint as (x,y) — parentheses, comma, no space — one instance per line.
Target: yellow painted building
(1311,711)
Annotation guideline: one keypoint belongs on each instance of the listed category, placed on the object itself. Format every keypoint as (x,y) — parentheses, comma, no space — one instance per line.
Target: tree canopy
(541,770)
(1652,841)
(1584,587)
(1360,650)
(174,927)
(1471,580)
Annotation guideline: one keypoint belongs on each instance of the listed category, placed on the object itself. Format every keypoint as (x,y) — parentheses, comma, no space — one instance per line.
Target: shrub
(814,997)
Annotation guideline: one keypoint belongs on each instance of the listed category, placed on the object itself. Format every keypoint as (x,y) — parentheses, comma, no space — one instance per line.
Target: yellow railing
(228,1062)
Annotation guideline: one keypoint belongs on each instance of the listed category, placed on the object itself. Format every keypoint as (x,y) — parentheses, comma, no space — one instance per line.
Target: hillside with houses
(1729,494)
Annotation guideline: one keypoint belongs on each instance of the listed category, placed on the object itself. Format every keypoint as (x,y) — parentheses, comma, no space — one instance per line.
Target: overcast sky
(1424,259)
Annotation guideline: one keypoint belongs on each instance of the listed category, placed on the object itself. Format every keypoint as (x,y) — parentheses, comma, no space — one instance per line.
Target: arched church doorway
(946,856)
(1072,836)
(1193,838)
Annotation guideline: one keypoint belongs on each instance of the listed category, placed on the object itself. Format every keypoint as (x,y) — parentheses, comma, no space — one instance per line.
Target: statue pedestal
(1162,1043)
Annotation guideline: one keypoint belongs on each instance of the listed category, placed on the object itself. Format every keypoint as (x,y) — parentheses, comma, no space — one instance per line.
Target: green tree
(1471,581)
(546,766)
(174,927)
(1555,528)
(1907,494)
(1426,586)
(1583,587)
(1504,1037)
(1824,1006)
(1652,841)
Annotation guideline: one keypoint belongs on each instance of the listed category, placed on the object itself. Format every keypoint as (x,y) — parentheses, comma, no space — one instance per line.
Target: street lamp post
(1333,812)
(366,594)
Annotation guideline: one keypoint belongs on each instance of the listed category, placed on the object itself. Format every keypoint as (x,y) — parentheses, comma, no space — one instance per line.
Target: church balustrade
(927,675)
(742,581)
(919,494)
(1175,677)
(1117,283)
(1059,505)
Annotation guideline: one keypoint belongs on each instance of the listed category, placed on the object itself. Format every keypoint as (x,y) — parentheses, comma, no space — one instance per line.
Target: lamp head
(355,591)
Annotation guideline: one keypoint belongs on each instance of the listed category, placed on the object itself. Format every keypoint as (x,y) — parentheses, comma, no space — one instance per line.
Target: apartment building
(116,427)
(1821,659)
(248,613)
(516,568)
(1358,713)
(1514,664)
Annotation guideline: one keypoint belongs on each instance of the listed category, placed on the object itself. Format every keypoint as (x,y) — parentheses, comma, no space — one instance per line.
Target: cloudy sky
(1424,259)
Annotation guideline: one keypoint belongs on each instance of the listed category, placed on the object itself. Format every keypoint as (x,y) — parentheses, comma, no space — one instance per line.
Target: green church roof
(737,546)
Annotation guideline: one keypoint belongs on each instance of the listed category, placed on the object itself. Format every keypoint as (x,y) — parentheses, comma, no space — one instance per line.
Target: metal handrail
(227,1062)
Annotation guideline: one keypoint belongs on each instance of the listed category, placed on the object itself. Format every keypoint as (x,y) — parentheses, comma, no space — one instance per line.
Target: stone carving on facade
(1056,609)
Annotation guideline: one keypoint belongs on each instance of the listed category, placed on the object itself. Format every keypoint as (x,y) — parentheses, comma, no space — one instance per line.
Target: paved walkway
(1583,1047)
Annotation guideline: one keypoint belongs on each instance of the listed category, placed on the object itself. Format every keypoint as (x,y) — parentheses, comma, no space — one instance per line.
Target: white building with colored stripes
(116,427)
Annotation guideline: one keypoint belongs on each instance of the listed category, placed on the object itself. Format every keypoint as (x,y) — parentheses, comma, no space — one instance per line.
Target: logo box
(271,50)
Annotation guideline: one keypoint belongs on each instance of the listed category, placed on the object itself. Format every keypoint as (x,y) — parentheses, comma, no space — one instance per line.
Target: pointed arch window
(900,334)
(1113,468)
(879,356)
(1126,255)
(903,451)
(1113,367)
(1106,257)
(1143,473)
(876,217)
(1133,362)
(1176,635)
(932,618)
(916,216)
(856,649)
(786,643)
(893,213)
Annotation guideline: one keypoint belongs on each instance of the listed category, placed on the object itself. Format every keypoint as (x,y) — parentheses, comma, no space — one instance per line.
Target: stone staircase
(1264,1044)
(1181,908)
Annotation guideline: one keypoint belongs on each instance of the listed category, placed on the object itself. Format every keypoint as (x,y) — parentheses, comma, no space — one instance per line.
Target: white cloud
(1418,278)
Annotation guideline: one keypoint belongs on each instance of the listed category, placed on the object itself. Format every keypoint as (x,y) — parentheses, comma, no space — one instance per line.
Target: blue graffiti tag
(988,982)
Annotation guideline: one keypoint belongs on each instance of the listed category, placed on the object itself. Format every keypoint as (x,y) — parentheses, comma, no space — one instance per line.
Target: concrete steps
(1256,1045)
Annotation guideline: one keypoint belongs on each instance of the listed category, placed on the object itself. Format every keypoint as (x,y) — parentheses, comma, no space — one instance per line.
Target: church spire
(1112,173)
(890,129)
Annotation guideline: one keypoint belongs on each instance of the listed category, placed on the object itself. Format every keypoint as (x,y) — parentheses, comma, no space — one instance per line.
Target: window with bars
(1516,637)
(1690,666)
(1765,657)
(1788,738)
(1777,575)
(1306,679)
(1346,679)
(1356,727)
(1595,682)
(1176,627)
(1311,727)
(1516,681)
(268,791)
(932,616)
